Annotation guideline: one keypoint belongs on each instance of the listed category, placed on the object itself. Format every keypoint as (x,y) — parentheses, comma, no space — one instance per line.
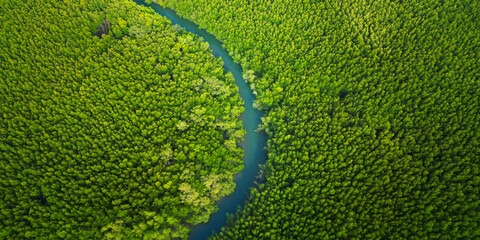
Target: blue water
(254,142)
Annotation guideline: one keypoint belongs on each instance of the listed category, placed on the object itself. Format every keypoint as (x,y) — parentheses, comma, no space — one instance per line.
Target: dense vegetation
(113,123)
(372,112)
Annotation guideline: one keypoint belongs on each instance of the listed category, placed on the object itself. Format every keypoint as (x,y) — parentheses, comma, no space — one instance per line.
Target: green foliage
(372,112)
(110,137)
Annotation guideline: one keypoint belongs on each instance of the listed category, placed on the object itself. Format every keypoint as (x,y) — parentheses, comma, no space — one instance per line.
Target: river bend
(253,144)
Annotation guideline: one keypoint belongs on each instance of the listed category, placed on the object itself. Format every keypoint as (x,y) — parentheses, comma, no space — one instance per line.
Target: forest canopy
(372,111)
(113,123)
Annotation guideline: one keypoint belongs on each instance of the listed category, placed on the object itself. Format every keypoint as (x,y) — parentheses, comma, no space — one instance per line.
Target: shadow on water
(253,144)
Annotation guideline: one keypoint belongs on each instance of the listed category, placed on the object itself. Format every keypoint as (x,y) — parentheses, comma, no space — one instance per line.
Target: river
(253,144)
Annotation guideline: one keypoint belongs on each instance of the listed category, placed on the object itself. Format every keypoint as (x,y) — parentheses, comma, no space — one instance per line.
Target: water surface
(254,142)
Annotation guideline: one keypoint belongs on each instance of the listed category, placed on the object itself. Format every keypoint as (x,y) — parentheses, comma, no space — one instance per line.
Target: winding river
(253,144)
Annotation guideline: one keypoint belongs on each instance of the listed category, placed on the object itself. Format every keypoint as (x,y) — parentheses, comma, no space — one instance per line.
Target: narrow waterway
(253,144)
